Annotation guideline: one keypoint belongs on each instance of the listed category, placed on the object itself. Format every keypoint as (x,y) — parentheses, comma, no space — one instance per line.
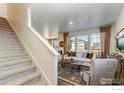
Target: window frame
(88,42)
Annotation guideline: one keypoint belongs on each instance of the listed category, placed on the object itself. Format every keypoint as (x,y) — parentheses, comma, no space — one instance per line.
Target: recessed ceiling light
(70,23)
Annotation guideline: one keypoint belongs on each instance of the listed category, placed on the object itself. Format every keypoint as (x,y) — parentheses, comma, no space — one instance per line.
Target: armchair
(101,71)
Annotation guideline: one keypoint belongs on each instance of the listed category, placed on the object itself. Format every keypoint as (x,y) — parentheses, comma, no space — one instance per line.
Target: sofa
(81,56)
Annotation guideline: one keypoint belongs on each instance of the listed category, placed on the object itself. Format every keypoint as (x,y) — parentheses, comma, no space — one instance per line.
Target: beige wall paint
(17,15)
(61,36)
(3,10)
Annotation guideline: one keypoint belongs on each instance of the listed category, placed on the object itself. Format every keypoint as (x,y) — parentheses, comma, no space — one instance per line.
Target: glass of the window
(72,43)
(95,41)
(82,41)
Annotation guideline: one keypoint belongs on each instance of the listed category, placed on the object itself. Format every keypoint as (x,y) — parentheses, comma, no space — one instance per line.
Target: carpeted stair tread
(12,55)
(24,79)
(19,58)
(4,74)
(16,67)
(10,63)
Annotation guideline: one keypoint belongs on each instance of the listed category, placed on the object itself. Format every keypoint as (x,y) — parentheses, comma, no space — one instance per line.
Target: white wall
(17,15)
(49,29)
(85,31)
(112,39)
(3,10)
(119,24)
(116,27)
(120,21)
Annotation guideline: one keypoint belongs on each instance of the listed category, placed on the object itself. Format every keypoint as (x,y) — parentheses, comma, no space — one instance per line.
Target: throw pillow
(73,54)
(68,53)
(89,55)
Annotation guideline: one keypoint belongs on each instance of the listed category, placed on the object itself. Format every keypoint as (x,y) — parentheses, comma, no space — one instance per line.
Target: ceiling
(73,17)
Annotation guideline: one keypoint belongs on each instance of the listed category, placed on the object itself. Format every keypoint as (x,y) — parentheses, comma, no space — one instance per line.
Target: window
(72,43)
(95,41)
(89,41)
(82,42)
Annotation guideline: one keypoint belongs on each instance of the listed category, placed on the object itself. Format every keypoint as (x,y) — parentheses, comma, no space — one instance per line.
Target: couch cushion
(82,59)
(84,54)
(86,64)
(94,56)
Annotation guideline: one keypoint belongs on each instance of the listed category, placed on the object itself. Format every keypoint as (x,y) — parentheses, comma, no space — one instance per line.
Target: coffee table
(73,63)
(78,64)
(66,62)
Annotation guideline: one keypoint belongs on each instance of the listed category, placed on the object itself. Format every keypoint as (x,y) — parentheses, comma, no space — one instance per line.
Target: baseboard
(34,61)
(68,81)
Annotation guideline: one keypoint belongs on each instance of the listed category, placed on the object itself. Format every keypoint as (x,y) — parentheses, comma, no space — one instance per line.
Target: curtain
(65,35)
(105,33)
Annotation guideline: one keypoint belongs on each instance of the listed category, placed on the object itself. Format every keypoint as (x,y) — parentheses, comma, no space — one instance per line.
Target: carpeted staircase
(16,67)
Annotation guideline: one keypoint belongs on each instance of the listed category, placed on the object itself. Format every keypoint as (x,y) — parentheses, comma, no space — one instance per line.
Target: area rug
(69,74)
